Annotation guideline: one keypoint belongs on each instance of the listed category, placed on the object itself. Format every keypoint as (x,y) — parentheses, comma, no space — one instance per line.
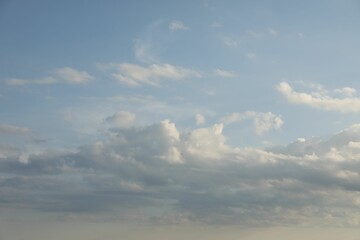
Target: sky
(179,119)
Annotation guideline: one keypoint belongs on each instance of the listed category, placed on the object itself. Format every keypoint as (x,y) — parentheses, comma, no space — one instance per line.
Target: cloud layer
(157,173)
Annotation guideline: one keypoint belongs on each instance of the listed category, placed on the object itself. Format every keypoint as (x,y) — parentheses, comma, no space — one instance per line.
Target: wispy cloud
(223,73)
(272,31)
(231,42)
(135,75)
(73,76)
(176,25)
(263,121)
(6,129)
(60,75)
(199,119)
(121,119)
(252,56)
(321,99)
(144,51)
(21,82)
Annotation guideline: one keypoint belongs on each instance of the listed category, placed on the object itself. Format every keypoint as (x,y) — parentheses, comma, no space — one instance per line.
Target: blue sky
(207,113)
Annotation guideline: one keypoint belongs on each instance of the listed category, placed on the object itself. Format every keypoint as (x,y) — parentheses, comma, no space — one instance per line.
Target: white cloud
(177,25)
(135,75)
(72,76)
(346,91)
(67,75)
(207,143)
(321,100)
(13,130)
(263,122)
(199,119)
(121,119)
(223,73)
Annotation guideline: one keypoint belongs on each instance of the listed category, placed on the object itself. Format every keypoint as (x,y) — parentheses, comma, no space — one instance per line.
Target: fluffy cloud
(135,75)
(263,122)
(67,75)
(176,25)
(321,100)
(155,172)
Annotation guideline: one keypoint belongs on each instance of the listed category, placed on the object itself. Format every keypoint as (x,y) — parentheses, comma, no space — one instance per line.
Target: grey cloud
(157,172)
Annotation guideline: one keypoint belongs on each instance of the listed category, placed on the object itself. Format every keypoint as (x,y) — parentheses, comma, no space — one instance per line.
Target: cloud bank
(157,173)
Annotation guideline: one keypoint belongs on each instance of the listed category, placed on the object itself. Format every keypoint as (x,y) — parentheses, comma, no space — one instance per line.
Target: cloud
(121,119)
(321,100)
(13,130)
(72,76)
(61,75)
(144,51)
(176,25)
(272,31)
(135,75)
(199,119)
(251,56)
(224,74)
(231,42)
(195,173)
(346,91)
(263,122)
(21,82)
